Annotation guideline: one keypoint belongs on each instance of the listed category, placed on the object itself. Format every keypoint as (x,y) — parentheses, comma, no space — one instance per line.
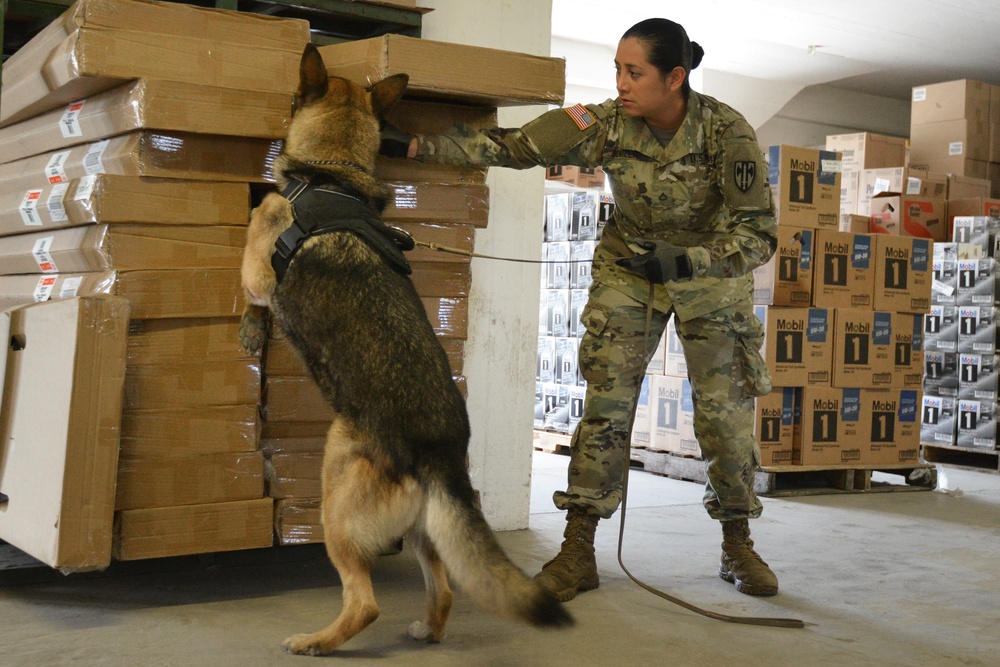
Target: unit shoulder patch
(581,116)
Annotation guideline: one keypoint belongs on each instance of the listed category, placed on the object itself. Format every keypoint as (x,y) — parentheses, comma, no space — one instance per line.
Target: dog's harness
(326,208)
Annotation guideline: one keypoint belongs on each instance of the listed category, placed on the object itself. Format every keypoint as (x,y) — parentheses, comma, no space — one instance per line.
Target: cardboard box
(976,424)
(903,273)
(844,274)
(186,340)
(977,329)
(855,224)
(107,199)
(168,481)
(965,187)
(438,204)
(950,100)
(994,155)
(581,177)
(558,216)
(957,164)
(298,521)
(193,529)
(186,432)
(976,231)
(976,282)
(963,138)
(863,348)
(903,180)
(975,206)
(894,436)
(153,294)
(150,104)
(805,184)
(867,150)
(673,417)
(675,363)
(791,269)
(442,279)
(99,44)
(833,429)
(107,247)
(941,373)
(778,417)
(977,376)
(909,215)
(294,475)
(938,420)
(62,366)
(908,350)
(586,207)
(642,424)
(146,153)
(294,399)
(798,346)
(192,384)
(941,328)
(449,316)
(455,72)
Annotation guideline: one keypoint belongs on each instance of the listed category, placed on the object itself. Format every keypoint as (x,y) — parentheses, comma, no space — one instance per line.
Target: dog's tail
(477,564)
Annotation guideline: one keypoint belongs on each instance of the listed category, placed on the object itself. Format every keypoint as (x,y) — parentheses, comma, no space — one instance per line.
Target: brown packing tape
(164,106)
(192,384)
(193,529)
(150,481)
(97,44)
(190,431)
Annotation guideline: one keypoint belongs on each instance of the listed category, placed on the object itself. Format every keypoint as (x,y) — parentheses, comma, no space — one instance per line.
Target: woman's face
(642,89)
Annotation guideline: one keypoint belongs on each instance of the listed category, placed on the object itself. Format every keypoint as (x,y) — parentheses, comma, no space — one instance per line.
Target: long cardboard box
(192,384)
(193,529)
(438,203)
(297,475)
(108,199)
(950,100)
(62,366)
(185,340)
(206,429)
(168,481)
(153,294)
(150,104)
(107,247)
(298,521)
(98,44)
(455,72)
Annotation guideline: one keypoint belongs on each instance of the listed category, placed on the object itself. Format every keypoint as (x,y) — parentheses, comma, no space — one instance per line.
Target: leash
(745,620)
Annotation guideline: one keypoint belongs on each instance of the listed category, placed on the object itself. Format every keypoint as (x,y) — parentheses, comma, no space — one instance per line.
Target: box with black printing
(977,329)
(941,373)
(937,422)
(903,273)
(843,275)
(908,350)
(977,376)
(805,185)
(976,424)
(833,430)
(778,417)
(863,348)
(558,216)
(976,282)
(894,418)
(798,346)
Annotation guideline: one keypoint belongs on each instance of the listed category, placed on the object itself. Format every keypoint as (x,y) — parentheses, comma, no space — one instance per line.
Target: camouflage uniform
(707,191)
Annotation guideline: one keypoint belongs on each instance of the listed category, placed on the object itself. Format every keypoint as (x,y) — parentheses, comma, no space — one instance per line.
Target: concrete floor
(899,578)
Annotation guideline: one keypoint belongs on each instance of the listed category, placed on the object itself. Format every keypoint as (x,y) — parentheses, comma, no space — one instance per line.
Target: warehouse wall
(503,306)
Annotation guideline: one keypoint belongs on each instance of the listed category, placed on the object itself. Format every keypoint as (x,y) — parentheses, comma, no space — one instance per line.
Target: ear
(676,78)
(313,81)
(387,92)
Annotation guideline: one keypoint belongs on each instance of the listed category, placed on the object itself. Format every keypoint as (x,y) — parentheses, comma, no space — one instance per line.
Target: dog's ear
(387,92)
(313,81)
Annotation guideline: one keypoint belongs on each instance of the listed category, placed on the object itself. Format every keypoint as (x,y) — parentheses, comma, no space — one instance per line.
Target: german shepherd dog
(395,457)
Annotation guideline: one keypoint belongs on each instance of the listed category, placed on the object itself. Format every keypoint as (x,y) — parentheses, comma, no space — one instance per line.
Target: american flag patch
(580,116)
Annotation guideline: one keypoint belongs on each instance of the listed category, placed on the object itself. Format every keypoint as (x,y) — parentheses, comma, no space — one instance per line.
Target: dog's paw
(422,633)
(302,645)
(253,329)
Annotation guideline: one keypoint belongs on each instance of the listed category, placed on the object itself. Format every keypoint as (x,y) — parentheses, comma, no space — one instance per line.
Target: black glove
(395,142)
(663,264)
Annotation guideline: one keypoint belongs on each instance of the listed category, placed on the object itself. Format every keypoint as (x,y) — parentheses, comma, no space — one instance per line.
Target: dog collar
(327,208)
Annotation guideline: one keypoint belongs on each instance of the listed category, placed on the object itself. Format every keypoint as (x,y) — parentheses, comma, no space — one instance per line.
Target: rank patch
(580,116)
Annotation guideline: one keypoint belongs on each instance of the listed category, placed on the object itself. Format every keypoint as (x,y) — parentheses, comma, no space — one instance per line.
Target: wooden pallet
(979,459)
(551,441)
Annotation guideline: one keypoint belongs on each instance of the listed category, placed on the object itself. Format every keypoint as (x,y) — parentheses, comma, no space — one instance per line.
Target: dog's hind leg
(438,592)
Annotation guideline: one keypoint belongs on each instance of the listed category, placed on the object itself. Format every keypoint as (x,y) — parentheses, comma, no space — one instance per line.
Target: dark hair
(667,46)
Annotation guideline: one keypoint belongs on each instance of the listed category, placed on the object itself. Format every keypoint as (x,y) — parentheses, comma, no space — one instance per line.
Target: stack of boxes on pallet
(132,133)
(438,204)
(576,210)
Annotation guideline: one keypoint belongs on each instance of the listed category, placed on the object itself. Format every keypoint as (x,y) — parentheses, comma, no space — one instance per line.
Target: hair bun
(697,53)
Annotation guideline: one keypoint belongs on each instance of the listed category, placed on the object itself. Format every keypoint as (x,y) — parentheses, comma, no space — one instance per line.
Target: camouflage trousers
(726,371)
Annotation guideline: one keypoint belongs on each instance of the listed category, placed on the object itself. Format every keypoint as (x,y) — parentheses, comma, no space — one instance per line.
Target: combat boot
(574,569)
(741,565)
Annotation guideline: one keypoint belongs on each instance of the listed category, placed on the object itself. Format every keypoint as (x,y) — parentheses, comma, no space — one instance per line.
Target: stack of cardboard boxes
(438,204)
(132,131)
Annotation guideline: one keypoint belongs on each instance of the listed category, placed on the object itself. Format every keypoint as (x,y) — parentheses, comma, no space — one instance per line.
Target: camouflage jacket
(706,190)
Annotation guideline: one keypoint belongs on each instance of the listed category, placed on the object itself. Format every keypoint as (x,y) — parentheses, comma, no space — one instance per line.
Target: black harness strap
(325,209)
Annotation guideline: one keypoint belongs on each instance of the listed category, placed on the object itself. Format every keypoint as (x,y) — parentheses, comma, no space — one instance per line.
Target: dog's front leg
(253,328)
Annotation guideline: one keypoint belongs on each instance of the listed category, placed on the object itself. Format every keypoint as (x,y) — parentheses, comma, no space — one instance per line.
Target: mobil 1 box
(863,348)
(903,273)
(642,422)
(941,327)
(941,373)
(908,350)
(976,282)
(937,420)
(976,426)
(778,416)
(832,427)
(672,416)
(843,275)
(977,329)
(798,346)
(894,419)
(977,376)
(805,184)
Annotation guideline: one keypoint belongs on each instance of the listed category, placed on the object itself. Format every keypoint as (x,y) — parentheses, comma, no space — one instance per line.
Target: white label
(956,148)
(55,169)
(919,94)
(85,187)
(55,202)
(881,185)
(43,256)
(942,288)
(29,208)
(912,185)
(43,290)
(70,287)
(69,124)
(92,160)
(832,166)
